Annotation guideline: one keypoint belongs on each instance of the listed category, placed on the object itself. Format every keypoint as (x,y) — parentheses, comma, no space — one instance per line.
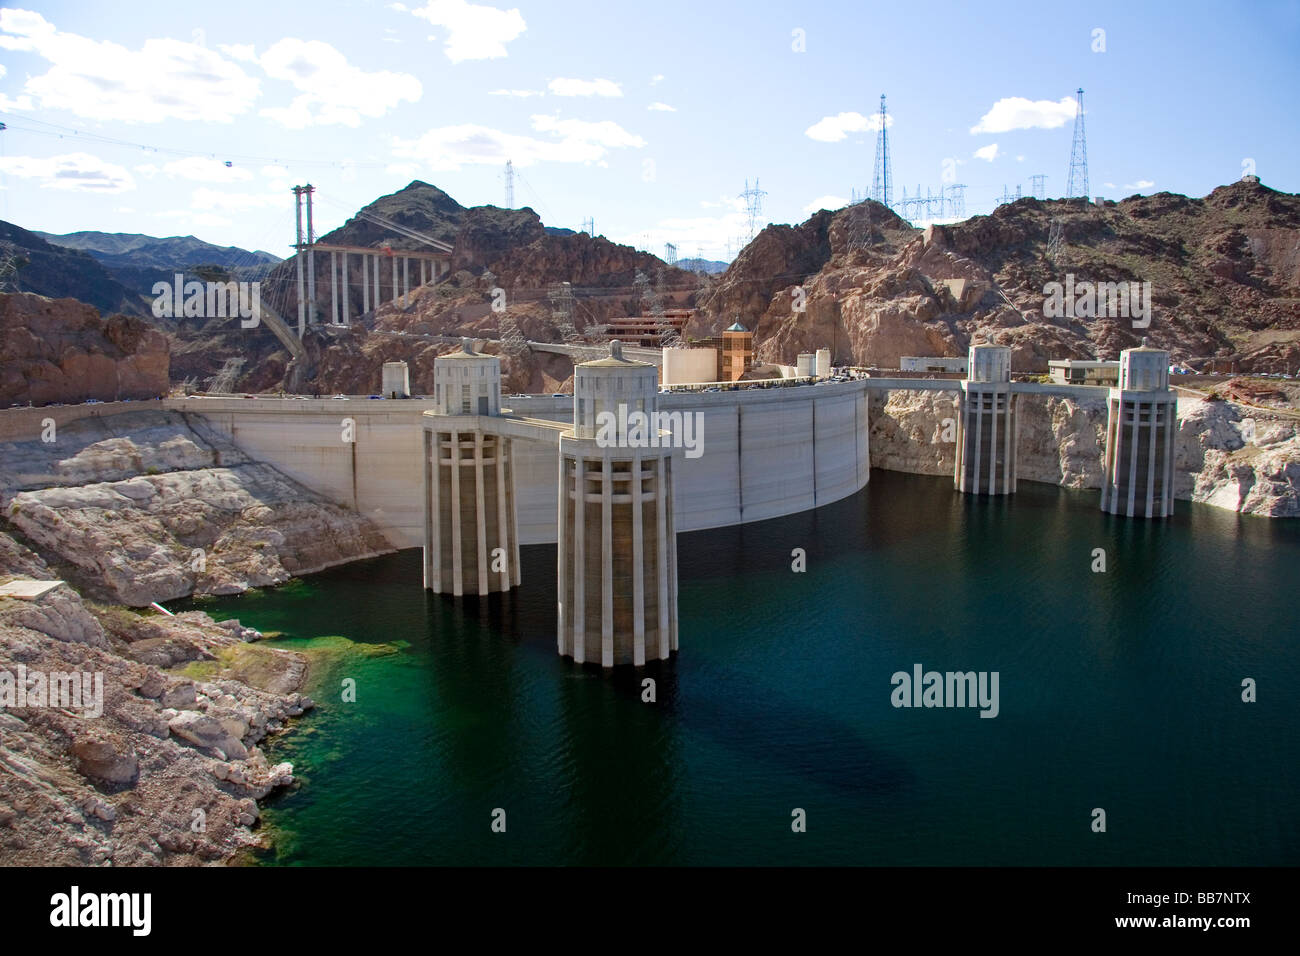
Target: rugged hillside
(148,506)
(60,350)
(1224,274)
(526,258)
(60,273)
(138,261)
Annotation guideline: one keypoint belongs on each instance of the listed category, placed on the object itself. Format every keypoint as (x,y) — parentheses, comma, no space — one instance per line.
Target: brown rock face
(105,758)
(59,350)
(1222,272)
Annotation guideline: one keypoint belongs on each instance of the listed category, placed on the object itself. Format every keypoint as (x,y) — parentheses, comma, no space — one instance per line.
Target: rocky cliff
(60,350)
(168,771)
(1223,274)
(1227,455)
(149,506)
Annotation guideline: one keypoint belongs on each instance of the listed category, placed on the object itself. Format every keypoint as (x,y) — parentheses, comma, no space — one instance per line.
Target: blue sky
(647,118)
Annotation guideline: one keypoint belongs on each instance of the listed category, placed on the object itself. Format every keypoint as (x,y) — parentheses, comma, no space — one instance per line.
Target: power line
(86,135)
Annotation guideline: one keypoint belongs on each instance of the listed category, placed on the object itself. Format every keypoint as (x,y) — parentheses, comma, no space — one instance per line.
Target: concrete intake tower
(617,555)
(471,544)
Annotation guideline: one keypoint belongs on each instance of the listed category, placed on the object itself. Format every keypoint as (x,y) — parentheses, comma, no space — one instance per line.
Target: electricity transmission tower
(859,225)
(561,297)
(9,263)
(1078,181)
(670,253)
(589,227)
(1056,239)
(224,381)
(957,200)
(882,184)
(513,342)
(510,184)
(753,207)
(1039,188)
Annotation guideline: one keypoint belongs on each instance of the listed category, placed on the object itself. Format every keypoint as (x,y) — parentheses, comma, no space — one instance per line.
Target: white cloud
(1020,159)
(22,103)
(565,86)
(1109,185)
(574,141)
(73,172)
(604,133)
(147,170)
(656,79)
(331,91)
(662,108)
(474,32)
(399,7)
(1140,184)
(989,152)
(274,171)
(825,202)
(519,93)
(832,129)
(239,51)
(203,170)
(1016,112)
(165,79)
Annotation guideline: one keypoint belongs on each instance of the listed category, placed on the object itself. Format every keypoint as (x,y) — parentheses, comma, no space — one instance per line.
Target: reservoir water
(1120,690)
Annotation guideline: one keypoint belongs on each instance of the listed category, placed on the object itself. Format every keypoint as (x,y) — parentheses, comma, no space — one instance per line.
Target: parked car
(340,398)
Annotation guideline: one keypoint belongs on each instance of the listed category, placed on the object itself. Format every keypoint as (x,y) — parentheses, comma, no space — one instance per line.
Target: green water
(1119,690)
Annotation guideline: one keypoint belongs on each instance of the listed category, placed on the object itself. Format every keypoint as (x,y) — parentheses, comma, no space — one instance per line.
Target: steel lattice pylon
(1077,185)
(882,182)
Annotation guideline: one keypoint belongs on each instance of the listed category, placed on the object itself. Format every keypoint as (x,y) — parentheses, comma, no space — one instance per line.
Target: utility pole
(510,184)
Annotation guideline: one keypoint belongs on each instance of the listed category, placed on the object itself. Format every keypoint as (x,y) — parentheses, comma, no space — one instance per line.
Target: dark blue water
(1118,690)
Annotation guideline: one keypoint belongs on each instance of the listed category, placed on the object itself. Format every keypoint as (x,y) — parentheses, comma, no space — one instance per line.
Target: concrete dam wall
(764,453)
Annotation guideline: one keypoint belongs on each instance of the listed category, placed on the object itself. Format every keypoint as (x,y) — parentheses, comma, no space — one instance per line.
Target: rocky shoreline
(1227,455)
(153,506)
(163,765)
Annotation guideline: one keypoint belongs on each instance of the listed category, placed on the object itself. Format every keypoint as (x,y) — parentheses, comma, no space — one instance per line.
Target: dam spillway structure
(986,424)
(471,542)
(617,543)
(1141,424)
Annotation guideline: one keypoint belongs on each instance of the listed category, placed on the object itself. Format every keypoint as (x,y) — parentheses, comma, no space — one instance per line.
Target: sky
(649,119)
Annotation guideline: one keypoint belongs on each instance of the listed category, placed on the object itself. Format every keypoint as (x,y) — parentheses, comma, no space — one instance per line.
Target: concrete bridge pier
(617,553)
(986,424)
(1141,424)
(471,541)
